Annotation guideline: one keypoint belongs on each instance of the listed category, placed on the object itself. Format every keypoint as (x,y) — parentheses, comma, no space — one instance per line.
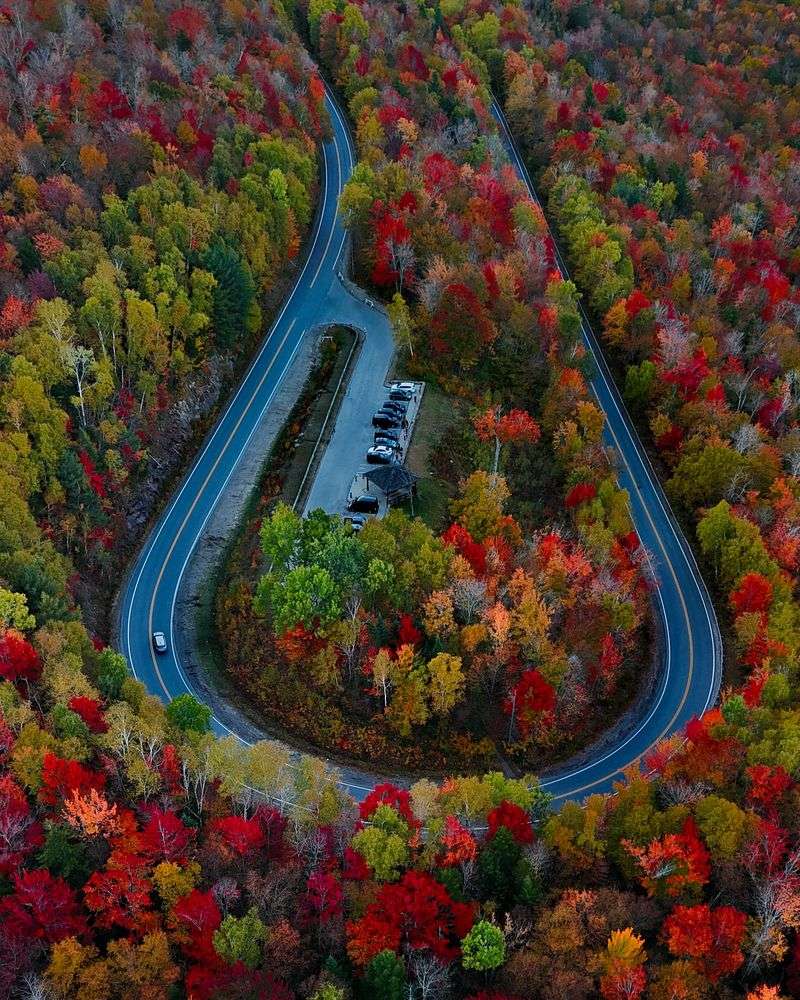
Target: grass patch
(430,504)
(437,415)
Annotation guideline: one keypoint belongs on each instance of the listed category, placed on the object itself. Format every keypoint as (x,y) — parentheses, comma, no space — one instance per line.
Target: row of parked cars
(389,423)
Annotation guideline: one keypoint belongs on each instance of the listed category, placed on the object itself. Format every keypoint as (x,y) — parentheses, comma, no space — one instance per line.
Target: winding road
(690,673)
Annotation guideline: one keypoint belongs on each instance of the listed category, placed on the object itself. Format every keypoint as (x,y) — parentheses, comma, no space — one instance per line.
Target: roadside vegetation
(669,154)
(495,637)
(157,167)
(149,204)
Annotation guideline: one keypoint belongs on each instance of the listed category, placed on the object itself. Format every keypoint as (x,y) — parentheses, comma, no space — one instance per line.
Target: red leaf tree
(90,710)
(42,907)
(514,819)
(754,594)
(20,832)
(196,916)
(674,862)
(165,837)
(710,938)
(63,778)
(19,661)
(120,895)
(233,836)
(516,426)
(531,700)
(417,912)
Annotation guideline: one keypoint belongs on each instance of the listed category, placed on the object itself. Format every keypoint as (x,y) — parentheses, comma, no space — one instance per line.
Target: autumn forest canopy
(159,174)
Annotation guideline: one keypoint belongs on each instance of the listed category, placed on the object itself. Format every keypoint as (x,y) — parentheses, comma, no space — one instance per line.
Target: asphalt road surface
(691,668)
(150,593)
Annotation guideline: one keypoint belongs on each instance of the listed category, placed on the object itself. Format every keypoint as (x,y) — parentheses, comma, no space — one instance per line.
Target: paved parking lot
(340,475)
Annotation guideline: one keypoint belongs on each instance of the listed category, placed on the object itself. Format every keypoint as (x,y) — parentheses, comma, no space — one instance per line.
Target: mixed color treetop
(157,173)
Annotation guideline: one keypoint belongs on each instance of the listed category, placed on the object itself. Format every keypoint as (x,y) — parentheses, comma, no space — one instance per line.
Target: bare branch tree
(430,977)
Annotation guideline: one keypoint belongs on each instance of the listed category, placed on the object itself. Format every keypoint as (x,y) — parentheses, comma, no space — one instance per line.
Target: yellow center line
(577,791)
(196,500)
(333,224)
(565,273)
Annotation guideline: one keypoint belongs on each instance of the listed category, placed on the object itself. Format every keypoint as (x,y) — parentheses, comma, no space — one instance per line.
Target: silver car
(380,455)
(159,642)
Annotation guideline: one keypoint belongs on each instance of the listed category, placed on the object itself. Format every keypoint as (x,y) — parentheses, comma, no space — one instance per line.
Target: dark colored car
(385,420)
(365,504)
(402,395)
(356,521)
(395,407)
(386,441)
(380,454)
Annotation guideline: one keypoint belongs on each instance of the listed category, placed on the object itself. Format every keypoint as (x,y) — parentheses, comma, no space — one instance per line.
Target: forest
(158,171)
(488,637)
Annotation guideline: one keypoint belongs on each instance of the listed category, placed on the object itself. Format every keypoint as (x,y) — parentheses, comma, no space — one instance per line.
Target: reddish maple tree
(754,593)
(407,633)
(580,494)
(120,895)
(187,21)
(324,899)
(516,426)
(671,863)
(458,844)
(466,546)
(41,907)
(196,916)
(91,711)
(710,938)
(165,837)
(62,778)
(19,661)
(417,912)
(532,700)
(514,819)
(234,836)
(20,832)
(768,785)
(387,794)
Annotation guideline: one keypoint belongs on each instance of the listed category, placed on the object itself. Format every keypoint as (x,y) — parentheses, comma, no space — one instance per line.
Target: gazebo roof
(392,478)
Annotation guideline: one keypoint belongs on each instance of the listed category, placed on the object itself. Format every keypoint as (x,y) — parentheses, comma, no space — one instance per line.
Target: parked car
(159,642)
(365,504)
(399,417)
(402,395)
(380,454)
(386,420)
(356,521)
(408,386)
(393,406)
(393,416)
(387,438)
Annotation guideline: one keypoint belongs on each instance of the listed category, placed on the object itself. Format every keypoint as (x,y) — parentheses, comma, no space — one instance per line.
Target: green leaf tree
(308,595)
(484,947)
(112,671)
(384,844)
(240,939)
(188,714)
(384,978)
(14,611)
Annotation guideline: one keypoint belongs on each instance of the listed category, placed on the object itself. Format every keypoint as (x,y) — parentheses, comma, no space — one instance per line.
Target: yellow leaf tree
(446,682)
